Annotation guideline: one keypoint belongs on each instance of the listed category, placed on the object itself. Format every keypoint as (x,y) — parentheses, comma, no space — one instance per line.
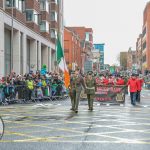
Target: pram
(2,96)
(9,93)
(58,92)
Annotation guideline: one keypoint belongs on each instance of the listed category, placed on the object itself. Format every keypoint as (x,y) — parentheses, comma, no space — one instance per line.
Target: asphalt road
(52,126)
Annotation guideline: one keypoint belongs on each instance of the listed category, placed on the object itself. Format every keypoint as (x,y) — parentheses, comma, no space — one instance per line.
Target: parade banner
(115,94)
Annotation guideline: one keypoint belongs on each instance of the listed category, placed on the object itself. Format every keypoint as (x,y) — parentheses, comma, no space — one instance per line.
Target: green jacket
(76,83)
(90,86)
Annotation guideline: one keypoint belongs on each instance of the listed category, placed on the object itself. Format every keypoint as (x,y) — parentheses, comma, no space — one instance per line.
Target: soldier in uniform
(90,83)
(76,84)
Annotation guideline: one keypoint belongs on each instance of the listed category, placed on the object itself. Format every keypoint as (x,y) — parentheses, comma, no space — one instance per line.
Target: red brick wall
(72,48)
(17,14)
(33,26)
(33,4)
(54,24)
(46,35)
(54,6)
(45,16)
(146,20)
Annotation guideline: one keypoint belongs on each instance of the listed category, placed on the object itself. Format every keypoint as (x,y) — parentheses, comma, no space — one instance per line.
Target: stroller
(9,93)
(2,96)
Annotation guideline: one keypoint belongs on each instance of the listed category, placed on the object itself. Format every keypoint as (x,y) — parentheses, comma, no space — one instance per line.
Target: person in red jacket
(140,82)
(105,80)
(133,87)
(120,81)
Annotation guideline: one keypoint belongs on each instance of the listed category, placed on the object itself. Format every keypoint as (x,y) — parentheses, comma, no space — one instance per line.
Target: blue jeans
(133,97)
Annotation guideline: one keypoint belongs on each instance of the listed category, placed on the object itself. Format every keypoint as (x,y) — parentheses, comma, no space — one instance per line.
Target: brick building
(139,52)
(81,45)
(123,60)
(146,38)
(72,48)
(131,59)
(29,31)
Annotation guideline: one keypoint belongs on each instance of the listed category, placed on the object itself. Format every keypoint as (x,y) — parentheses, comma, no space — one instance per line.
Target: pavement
(52,126)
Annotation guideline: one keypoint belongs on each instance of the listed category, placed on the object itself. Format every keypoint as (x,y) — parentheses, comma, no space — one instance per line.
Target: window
(144,45)
(44,27)
(32,16)
(9,3)
(87,36)
(29,15)
(44,5)
(53,33)
(144,58)
(19,4)
(36,17)
(144,32)
(54,16)
(54,1)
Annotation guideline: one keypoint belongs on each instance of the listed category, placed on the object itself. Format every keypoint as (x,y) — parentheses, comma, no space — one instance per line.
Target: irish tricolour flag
(62,63)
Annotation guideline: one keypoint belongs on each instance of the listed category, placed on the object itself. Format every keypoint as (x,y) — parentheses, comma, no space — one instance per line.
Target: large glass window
(87,36)
(19,4)
(53,33)
(54,16)
(44,5)
(144,45)
(9,3)
(144,58)
(29,15)
(32,15)
(44,26)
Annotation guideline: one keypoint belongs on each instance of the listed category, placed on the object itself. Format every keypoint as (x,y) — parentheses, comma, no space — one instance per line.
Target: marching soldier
(90,84)
(76,84)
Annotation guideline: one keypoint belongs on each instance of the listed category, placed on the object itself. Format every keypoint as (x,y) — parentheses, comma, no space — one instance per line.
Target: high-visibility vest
(30,85)
(44,83)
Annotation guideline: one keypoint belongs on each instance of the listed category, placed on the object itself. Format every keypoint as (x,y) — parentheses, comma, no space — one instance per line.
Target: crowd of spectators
(31,85)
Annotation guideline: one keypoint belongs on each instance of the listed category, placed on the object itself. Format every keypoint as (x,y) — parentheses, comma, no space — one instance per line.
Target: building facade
(123,60)
(96,63)
(28,35)
(82,44)
(139,51)
(72,49)
(131,60)
(146,38)
(100,48)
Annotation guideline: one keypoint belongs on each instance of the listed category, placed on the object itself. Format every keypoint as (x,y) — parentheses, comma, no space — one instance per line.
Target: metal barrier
(21,93)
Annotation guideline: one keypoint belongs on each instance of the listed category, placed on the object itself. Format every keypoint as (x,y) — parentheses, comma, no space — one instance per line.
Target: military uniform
(76,84)
(90,84)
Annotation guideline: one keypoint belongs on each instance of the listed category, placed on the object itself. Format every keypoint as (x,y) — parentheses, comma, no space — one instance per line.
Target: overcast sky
(117,23)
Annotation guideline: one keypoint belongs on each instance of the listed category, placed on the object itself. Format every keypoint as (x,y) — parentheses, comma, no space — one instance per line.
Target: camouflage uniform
(76,84)
(90,90)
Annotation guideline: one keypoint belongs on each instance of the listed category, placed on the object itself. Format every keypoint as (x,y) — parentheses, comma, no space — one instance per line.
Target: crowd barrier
(16,94)
(147,85)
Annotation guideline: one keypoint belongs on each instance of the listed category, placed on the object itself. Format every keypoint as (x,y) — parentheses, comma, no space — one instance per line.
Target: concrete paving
(51,125)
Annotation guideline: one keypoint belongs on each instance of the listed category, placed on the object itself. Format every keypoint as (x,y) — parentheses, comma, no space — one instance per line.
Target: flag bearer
(76,85)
